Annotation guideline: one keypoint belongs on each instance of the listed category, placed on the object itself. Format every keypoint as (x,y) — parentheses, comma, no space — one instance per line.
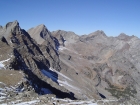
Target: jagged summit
(43,25)
(123,36)
(63,31)
(9,28)
(68,36)
(122,33)
(97,33)
(40,33)
(12,24)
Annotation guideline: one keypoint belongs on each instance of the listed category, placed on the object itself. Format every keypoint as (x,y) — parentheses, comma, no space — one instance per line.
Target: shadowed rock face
(48,44)
(85,67)
(21,52)
(11,27)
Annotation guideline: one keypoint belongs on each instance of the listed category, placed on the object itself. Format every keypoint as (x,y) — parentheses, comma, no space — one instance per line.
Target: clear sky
(80,16)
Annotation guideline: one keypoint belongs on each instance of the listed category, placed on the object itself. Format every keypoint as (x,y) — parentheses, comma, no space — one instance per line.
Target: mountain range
(59,66)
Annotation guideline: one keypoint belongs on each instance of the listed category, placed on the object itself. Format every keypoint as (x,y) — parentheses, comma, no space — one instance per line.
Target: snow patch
(1,63)
(60,74)
(63,80)
(59,78)
(53,74)
(87,102)
(2,97)
(33,102)
(83,102)
(65,83)
(28,103)
(1,89)
(62,48)
(2,94)
(2,83)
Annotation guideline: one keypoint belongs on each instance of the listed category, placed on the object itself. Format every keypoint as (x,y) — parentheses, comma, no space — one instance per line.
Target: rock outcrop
(31,58)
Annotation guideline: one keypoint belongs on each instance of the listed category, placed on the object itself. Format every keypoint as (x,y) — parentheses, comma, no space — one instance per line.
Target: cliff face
(21,52)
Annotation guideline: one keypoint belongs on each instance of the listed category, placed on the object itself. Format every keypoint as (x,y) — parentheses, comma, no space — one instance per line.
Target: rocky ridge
(27,56)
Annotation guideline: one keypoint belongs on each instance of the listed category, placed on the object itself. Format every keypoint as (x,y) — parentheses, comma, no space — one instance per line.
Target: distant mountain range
(66,65)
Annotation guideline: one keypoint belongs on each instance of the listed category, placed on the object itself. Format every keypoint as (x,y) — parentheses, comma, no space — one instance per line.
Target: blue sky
(80,16)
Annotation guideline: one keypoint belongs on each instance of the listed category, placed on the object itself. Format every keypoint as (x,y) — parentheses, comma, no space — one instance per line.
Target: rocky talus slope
(42,67)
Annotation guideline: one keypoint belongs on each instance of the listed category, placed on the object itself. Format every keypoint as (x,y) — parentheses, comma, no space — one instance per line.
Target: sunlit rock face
(111,64)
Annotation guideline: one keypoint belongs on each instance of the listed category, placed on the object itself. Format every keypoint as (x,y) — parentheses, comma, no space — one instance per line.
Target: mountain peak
(125,37)
(12,24)
(97,33)
(123,34)
(10,27)
(42,25)
(16,22)
(40,33)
